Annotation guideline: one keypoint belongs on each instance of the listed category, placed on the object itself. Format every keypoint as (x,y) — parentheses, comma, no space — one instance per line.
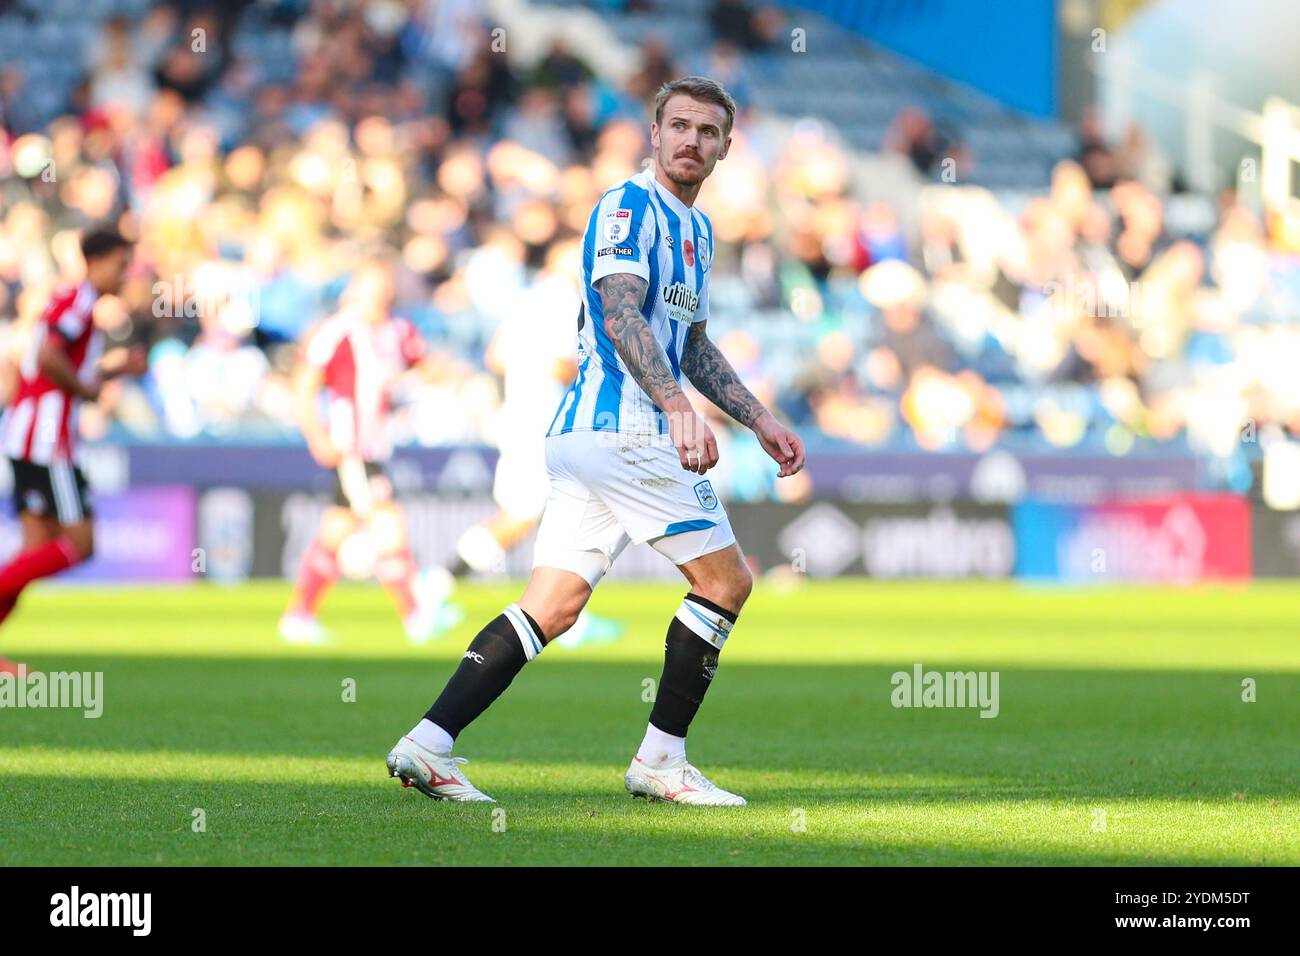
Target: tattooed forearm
(711,373)
(622,294)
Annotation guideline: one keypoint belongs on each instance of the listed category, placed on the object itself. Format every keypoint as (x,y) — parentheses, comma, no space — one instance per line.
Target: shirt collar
(675,204)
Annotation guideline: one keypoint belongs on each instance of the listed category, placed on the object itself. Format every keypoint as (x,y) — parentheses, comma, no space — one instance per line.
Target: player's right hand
(324,452)
(697,449)
(91,390)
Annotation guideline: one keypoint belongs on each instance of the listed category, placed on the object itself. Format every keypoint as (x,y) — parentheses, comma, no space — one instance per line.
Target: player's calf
(42,561)
(82,536)
(316,575)
(695,638)
(495,656)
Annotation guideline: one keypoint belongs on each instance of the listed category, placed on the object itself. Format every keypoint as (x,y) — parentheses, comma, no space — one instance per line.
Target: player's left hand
(783,445)
(125,360)
(136,362)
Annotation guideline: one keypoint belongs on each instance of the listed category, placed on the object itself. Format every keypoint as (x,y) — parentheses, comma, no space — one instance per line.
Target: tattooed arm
(715,379)
(621,295)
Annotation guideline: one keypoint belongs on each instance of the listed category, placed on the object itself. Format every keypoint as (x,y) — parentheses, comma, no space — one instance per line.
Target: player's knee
(385,527)
(555,611)
(746,585)
(740,584)
(381,490)
(558,619)
(729,589)
(336,524)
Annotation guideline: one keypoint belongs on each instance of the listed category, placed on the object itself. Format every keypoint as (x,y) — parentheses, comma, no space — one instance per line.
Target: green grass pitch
(1122,736)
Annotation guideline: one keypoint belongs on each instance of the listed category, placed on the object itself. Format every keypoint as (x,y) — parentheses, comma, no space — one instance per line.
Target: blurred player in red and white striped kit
(63,365)
(356,357)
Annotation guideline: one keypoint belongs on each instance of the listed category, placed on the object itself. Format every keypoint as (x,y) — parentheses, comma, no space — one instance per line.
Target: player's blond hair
(697,88)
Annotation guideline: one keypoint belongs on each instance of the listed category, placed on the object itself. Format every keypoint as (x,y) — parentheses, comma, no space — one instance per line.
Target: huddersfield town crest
(708,500)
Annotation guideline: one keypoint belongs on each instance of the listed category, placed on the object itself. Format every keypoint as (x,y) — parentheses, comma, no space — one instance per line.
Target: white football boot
(433,774)
(680,783)
(303,629)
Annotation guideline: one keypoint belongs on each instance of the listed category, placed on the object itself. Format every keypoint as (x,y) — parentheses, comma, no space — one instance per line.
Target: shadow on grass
(1074,734)
(104,821)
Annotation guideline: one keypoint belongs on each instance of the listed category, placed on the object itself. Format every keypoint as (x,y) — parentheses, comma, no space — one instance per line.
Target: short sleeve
(702,310)
(66,322)
(413,347)
(623,238)
(322,344)
(704,251)
(72,324)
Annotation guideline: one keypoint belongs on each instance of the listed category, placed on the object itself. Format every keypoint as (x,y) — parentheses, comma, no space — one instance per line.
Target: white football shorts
(609,489)
(520,485)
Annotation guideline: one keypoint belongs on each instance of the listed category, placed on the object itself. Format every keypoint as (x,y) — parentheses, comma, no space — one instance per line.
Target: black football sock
(495,656)
(695,637)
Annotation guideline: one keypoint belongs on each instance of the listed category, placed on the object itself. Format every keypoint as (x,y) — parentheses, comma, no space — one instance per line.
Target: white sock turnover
(659,749)
(432,737)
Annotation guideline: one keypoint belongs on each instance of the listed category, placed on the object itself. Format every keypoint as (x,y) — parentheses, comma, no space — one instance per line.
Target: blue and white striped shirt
(640,228)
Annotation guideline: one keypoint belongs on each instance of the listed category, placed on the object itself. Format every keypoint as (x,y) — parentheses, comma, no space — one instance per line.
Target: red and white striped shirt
(360,360)
(40,424)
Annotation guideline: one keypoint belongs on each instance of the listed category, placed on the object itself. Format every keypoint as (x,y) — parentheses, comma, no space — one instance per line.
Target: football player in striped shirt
(626,456)
(353,361)
(63,365)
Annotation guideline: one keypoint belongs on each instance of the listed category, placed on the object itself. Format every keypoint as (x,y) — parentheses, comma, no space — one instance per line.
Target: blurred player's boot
(589,630)
(297,628)
(8,667)
(316,575)
(433,614)
(677,782)
(433,774)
